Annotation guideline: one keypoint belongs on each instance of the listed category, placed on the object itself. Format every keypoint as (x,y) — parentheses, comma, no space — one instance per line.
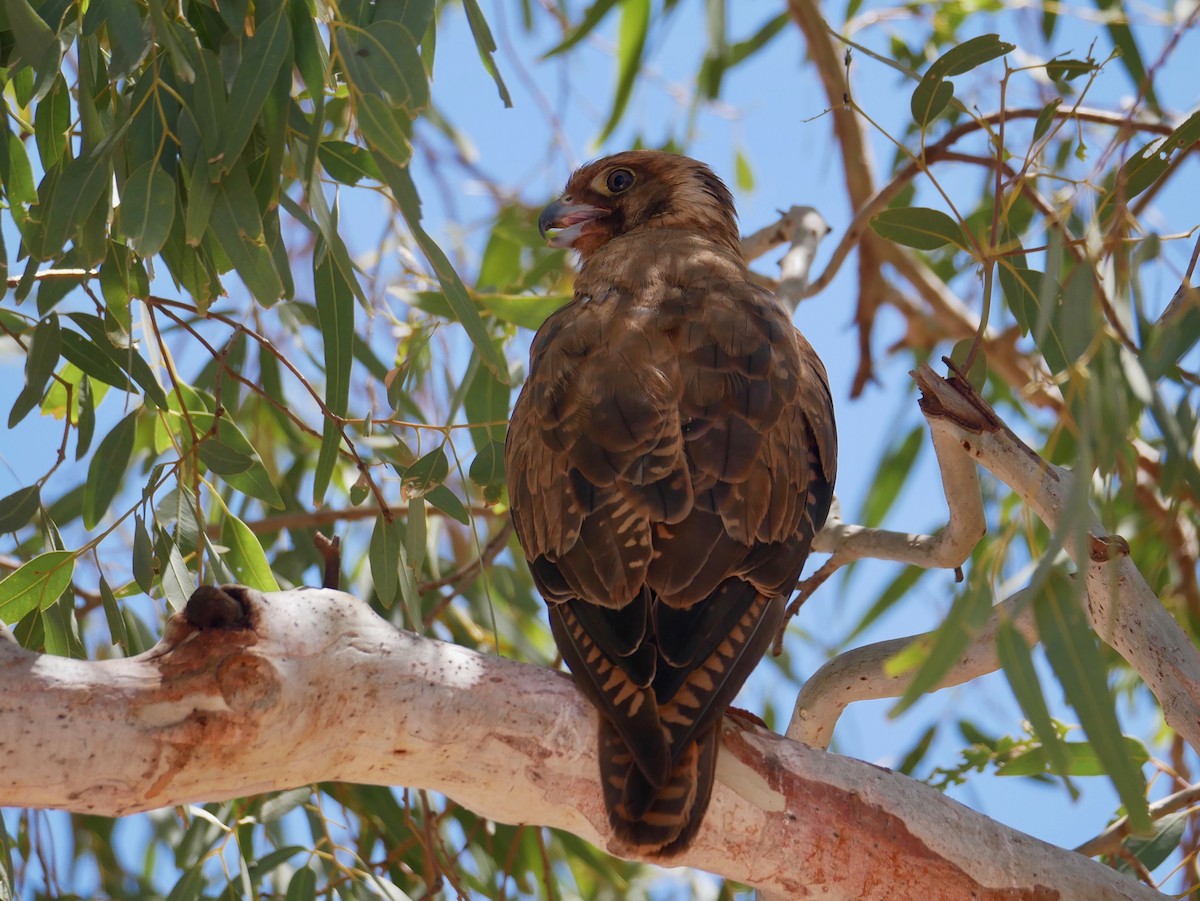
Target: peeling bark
(296,687)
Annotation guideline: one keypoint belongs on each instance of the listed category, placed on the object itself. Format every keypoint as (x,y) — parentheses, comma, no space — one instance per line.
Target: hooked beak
(570,218)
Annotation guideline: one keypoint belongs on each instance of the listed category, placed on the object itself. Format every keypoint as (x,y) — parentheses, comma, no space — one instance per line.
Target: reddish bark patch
(894,862)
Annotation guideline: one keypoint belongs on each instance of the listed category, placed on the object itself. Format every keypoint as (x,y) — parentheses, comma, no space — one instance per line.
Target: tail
(658,820)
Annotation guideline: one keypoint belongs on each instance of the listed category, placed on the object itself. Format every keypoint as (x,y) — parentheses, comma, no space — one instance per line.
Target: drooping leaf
(385,554)
(967,615)
(245,555)
(631,44)
(335,313)
(1071,648)
(262,57)
(1017,661)
(486,45)
(148,208)
(405,194)
(107,470)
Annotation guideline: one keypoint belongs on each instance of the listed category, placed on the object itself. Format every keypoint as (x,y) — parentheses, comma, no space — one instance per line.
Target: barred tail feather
(658,820)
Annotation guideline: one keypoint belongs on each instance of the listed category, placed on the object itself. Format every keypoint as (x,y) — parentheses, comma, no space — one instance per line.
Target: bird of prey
(669,460)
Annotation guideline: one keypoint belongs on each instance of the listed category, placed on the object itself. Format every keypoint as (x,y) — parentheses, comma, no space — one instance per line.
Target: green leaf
(929,98)
(348,163)
(237,225)
(126,358)
(486,45)
(1154,850)
(223,459)
(86,426)
(44,347)
(18,180)
(262,58)
(177,583)
(82,183)
(18,508)
(594,16)
(245,555)
(331,442)
(112,615)
(1017,661)
(967,616)
(145,566)
(447,501)
(891,476)
(148,208)
(302,886)
(189,886)
(335,315)
(743,174)
(384,554)
(631,44)
(1045,117)
(1071,648)
(1116,23)
(35,585)
(919,227)
(128,41)
(1151,163)
(107,470)
(1078,317)
(52,124)
(34,41)
(385,130)
(527,311)
(405,194)
(429,471)
(971,54)
(933,93)
(383,61)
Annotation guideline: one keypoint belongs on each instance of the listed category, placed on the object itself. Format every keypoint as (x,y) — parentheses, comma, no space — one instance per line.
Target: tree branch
(860,674)
(1121,606)
(251,698)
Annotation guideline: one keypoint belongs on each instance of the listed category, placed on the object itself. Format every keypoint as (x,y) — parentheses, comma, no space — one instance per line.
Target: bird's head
(636,191)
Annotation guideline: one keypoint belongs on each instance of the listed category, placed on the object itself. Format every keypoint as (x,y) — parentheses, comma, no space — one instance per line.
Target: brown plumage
(669,460)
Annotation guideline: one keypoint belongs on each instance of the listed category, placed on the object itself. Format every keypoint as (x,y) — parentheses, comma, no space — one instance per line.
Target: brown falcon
(669,460)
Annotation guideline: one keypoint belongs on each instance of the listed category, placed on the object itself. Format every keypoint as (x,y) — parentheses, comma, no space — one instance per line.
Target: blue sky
(771,112)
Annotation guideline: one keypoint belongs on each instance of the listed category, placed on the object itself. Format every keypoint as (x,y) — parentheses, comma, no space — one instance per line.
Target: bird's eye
(619,180)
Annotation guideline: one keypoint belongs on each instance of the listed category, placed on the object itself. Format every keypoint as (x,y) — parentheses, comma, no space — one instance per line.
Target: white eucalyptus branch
(261,692)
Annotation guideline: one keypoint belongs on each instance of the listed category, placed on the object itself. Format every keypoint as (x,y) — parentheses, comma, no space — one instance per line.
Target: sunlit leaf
(35,585)
(631,44)
(107,470)
(245,555)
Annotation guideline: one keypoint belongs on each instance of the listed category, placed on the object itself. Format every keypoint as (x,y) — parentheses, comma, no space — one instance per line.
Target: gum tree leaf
(245,555)
(107,470)
(919,227)
(35,585)
(148,208)
(1071,648)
